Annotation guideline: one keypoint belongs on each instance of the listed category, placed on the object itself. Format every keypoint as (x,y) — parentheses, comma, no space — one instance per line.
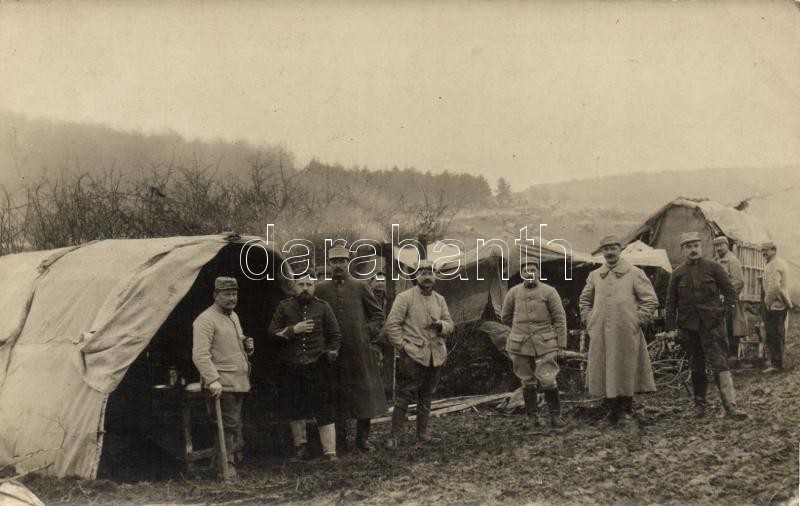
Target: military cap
(720,239)
(225,283)
(609,240)
(338,252)
(768,245)
(687,237)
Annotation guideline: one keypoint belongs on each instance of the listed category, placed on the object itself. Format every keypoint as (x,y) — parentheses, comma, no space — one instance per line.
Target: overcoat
(615,304)
(733,267)
(360,317)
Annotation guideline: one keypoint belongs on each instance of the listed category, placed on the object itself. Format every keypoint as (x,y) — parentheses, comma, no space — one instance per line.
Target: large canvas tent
(710,219)
(76,319)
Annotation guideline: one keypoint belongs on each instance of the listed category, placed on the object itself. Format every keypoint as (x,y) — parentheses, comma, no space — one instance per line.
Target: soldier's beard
(304,297)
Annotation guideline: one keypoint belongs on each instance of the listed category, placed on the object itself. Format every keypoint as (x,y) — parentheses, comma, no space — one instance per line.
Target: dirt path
(485,457)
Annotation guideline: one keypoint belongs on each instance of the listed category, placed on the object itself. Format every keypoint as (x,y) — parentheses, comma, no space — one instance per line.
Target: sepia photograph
(399,252)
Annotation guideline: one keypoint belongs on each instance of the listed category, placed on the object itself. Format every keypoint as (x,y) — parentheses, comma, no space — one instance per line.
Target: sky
(532,91)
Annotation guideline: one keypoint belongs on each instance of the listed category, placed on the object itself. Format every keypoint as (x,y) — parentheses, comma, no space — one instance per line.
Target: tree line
(193,197)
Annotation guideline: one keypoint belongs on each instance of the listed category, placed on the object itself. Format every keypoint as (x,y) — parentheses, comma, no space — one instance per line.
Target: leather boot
(362,435)
(614,409)
(699,388)
(554,406)
(625,410)
(728,394)
(531,405)
(342,433)
(398,423)
(423,415)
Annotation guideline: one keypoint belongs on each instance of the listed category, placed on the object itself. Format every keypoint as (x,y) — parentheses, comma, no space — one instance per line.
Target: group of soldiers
(330,332)
(330,335)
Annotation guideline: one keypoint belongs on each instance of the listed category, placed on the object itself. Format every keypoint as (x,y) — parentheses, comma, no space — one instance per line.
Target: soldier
(617,301)
(219,351)
(416,327)
(735,320)
(776,302)
(310,339)
(360,317)
(538,335)
(378,285)
(694,307)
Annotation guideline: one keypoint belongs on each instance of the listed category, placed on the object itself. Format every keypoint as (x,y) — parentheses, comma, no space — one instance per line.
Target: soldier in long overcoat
(360,316)
(616,302)
(735,319)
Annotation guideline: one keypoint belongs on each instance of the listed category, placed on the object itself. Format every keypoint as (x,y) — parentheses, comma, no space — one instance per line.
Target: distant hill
(583,211)
(646,192)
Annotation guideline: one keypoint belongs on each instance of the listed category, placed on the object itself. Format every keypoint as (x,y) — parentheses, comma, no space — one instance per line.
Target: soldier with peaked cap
(219,351)
(360,388)
(617,301)
(538,333)
(694,307)
(735,320)
(416,327)
(777,302)
(310,340)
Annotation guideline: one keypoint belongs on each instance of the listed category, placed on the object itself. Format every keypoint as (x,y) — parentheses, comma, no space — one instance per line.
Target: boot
(342,432)
(362,435)
(423,415)
(327,436)
(554,405)
(699,387)
(532,405)
(300,453)
(625,417)
(614,409)
(229,441)
(699,406)
(298,428)
(398,423)
(728,394)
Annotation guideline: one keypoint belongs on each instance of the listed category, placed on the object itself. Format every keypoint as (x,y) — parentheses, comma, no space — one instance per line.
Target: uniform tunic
(537,319)
(615,303)
(694,306)
(408,326)
(218,350)
(307,347)
(693,296)
(360,317)
(306,378)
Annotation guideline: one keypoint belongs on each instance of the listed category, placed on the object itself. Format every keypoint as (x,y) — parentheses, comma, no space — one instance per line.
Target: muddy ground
(484,456)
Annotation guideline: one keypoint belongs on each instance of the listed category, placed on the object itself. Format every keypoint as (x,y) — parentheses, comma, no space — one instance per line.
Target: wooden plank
(461,406)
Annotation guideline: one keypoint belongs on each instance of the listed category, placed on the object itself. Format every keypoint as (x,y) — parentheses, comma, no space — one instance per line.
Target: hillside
(582,211)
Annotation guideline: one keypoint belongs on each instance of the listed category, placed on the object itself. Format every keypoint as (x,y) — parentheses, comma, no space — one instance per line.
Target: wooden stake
(226,471)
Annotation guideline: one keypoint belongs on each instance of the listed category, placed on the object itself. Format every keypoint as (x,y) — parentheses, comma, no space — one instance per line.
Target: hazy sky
(533,91)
